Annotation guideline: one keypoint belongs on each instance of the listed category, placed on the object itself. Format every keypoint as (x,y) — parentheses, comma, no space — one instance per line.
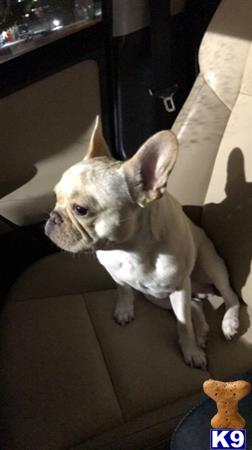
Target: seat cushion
(228,358)
(56,389)
(72,376)
(70,373)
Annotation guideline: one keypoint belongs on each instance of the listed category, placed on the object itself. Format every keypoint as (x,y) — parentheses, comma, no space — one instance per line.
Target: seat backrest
(226,55)
(214,128)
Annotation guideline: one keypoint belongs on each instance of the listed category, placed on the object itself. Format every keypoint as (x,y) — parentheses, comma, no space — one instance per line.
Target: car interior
(70,377)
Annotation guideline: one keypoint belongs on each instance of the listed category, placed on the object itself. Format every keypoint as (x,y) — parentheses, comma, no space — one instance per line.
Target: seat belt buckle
(167,97)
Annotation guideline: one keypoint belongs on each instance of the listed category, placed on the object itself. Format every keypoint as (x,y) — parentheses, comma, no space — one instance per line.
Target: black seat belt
(163,87)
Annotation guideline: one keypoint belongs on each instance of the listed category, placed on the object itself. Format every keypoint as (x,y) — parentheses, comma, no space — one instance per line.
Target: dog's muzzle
(54,220)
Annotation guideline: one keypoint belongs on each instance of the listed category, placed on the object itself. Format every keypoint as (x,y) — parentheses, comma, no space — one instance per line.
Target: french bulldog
(123,212)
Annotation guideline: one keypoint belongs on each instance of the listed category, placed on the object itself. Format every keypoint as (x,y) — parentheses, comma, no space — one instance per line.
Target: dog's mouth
(72,239)
(65,238)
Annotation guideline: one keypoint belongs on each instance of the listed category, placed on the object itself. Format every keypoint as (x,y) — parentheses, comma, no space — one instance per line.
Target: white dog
(141,235)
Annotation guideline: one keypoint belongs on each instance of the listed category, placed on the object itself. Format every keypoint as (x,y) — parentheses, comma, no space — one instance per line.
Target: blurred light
(27,15)
(56,22)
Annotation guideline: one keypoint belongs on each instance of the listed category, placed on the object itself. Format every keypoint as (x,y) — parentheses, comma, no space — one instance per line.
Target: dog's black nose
(56,218)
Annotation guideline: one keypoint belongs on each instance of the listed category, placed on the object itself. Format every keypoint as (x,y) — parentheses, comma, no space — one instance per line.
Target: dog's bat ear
(148,170)
(97,145)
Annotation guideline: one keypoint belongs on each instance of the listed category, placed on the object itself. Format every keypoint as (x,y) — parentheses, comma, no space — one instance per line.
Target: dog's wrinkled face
(98,199)
(93,209)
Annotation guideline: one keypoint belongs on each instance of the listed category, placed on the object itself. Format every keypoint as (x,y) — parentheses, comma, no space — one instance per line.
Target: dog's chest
(155,275)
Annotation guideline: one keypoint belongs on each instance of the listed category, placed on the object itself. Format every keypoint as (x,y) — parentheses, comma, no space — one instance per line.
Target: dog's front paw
(230,323)
(200,325)
(194,356)
(124,314)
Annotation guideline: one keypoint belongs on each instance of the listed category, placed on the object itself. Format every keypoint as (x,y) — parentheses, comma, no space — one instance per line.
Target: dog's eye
(80,210)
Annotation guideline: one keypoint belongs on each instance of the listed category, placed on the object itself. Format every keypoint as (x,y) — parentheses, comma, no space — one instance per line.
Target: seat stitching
(105,360)
(217,96)
(180,416)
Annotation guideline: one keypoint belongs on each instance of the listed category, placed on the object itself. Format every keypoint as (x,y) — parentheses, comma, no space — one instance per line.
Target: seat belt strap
(161,53)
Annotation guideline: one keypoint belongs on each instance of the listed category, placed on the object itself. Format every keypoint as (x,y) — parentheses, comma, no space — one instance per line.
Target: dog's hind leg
(182,308)
(215,268)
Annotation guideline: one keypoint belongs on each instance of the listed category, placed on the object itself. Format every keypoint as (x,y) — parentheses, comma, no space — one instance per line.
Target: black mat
(20,247)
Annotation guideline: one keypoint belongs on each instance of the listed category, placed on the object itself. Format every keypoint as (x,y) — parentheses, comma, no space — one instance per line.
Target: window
(28,24)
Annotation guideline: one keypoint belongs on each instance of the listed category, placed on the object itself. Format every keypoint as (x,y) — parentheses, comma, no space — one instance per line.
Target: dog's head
(99,199)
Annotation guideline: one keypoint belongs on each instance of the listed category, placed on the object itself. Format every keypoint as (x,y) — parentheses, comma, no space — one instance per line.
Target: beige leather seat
(44,129)
(73,379)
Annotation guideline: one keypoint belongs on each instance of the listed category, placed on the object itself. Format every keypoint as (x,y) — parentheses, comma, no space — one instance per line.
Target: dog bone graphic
(227,396)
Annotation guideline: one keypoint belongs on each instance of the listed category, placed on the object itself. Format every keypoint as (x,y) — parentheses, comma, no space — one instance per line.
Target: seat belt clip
(166,96)
(169,103)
